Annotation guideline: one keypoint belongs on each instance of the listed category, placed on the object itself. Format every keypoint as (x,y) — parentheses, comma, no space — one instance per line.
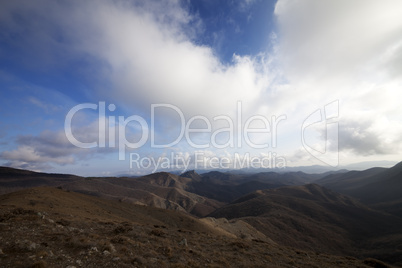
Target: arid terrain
(165,220)
(200,133)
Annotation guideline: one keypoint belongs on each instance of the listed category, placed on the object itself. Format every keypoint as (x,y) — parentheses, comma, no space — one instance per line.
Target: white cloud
(151,62)
(146,53)
(38,152)
(27,154)
(346,51)
(337,37)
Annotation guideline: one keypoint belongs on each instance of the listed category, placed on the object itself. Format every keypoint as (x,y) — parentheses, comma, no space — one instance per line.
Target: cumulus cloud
(337,37)
(346,51)
(145,53)
(358,137)
(152,59)
(153,62)
(28,157)
(38,152)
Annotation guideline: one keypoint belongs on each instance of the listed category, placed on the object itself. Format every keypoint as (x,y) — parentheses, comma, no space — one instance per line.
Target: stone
(32,246)
(112,248)
(183,242)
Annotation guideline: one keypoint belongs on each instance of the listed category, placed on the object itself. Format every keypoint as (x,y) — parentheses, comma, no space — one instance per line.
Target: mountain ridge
(317,218)
(67,228)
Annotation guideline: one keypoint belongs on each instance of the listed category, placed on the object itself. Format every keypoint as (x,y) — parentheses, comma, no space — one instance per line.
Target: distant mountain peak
(189,172)
(164,179)
(192,174)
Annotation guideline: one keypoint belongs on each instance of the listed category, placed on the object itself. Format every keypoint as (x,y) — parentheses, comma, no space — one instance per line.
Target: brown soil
(49,227)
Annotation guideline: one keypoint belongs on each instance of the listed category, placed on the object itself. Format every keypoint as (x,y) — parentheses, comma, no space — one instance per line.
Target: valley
(266,219)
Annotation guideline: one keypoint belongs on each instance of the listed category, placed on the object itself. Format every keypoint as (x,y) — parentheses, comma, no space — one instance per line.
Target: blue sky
(326,75)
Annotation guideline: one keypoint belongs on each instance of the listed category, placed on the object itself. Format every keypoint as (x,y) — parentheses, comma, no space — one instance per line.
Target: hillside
(377,187)
(190,192)
(161,190)
(12,179)
(49,227)
(227,187)
(350,180)
(315,218)
(269,207)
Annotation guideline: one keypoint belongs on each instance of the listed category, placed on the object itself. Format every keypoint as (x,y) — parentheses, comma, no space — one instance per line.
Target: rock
(183,242)
(116,259)
(32,246)
(106,253)
(1,252)
(112,248)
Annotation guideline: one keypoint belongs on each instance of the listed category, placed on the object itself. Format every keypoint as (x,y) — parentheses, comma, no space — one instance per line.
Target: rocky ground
(38,230)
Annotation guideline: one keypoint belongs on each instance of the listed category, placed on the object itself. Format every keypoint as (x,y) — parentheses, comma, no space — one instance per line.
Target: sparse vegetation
(131,235)
(298,226)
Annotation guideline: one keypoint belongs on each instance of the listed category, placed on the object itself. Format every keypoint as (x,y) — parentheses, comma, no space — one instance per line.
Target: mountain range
(343,213)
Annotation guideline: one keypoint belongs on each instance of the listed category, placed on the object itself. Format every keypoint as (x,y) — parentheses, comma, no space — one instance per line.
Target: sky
(103,88)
